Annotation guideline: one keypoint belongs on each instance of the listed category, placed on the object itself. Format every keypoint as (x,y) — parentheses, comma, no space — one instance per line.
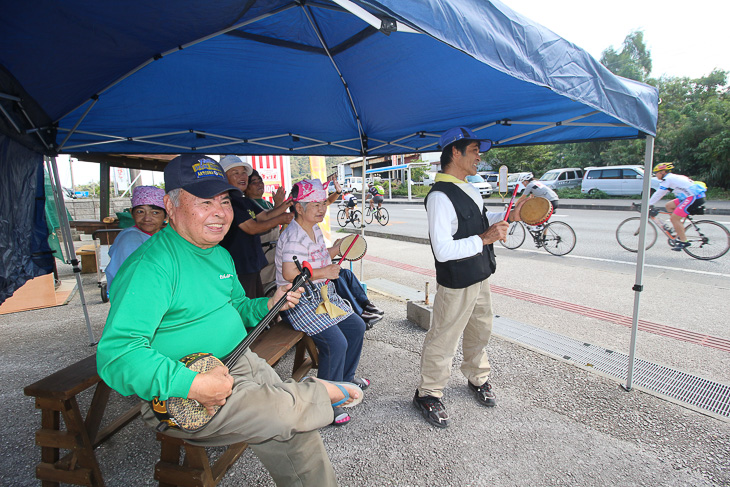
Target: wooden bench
(56,397)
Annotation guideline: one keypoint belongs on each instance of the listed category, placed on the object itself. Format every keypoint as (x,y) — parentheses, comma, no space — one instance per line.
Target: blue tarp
(309,77)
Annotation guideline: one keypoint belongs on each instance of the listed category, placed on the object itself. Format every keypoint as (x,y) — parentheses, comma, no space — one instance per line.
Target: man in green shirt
(178,294)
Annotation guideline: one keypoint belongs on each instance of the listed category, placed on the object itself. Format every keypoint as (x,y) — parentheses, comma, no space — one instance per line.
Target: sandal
(362,383)
(341,386)
(341,417)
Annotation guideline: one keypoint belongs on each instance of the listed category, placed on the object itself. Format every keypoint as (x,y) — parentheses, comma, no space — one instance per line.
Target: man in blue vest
(462,232)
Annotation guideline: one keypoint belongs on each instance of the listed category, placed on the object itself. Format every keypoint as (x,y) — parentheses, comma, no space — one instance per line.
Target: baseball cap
(459,133)
(197,174)
(229,162)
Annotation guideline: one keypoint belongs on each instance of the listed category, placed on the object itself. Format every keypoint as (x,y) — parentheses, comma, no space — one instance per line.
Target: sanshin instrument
(191,416)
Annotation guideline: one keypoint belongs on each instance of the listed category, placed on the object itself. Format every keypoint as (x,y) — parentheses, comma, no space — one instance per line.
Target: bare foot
(336,394)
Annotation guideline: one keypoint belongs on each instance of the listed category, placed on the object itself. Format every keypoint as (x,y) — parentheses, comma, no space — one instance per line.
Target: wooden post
(104,181)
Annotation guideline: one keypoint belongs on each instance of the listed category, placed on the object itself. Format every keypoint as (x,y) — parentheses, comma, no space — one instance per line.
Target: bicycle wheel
(356,219)
(369,215)
(382,216)
(709,240)
(515,236)
(627,234)
(558,238)
(341,218)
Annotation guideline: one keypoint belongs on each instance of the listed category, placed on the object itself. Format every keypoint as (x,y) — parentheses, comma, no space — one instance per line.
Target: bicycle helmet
(663,166)
(526,177)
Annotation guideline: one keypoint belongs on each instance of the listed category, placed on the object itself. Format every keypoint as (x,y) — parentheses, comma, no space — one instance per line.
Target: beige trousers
(465,311)
(279,419)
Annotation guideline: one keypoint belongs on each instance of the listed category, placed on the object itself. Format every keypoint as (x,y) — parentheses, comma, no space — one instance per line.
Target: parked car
(428,179)
(490,177)
(68,194)
(354,183)
(570,177)
(513,179)
(615,180)
(485,189)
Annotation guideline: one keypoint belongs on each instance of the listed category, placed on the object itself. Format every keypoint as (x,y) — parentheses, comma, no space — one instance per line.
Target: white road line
(598,259)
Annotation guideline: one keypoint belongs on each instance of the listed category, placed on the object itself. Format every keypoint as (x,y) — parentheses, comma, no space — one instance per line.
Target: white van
(569,177)
(615,180)
(354,183)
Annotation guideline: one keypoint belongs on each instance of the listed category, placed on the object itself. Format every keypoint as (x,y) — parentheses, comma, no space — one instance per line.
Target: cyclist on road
(350,202)
(534,187)
(375,195)
(690,195)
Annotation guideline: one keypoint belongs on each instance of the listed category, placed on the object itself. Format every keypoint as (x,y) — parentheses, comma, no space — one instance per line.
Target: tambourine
(536,211)
(353,247)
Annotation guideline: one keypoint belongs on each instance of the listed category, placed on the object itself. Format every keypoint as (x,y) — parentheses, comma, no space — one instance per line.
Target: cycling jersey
(539,189)
(350,200)
(373,190)
(681,186)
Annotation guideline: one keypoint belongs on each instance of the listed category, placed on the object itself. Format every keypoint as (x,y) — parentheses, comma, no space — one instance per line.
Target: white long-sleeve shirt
(443,223)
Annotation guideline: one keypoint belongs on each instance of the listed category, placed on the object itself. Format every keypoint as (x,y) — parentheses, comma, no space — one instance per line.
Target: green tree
(633,61)
(534,158)
(417,173)
(694,127)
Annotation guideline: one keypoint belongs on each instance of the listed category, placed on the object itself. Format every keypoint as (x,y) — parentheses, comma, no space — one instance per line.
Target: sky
(684,39)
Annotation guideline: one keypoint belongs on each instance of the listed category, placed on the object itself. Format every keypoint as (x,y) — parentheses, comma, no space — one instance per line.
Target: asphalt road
(596,240)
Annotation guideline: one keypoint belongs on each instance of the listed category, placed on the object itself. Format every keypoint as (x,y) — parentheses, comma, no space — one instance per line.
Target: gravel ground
(555,424)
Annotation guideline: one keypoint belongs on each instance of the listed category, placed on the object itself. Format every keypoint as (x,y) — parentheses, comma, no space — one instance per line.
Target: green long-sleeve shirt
(172,299)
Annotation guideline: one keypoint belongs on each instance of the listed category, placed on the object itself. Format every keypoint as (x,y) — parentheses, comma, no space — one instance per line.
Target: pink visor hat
(311,190)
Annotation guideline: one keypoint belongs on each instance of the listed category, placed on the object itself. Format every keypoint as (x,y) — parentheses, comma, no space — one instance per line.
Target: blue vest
(472,220)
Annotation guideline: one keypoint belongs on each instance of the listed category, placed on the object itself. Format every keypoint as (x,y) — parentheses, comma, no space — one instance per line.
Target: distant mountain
(300,166)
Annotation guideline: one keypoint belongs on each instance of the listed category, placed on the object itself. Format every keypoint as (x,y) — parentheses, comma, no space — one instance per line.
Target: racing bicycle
(355,218)
(380,214)
(556,237)
(709,240)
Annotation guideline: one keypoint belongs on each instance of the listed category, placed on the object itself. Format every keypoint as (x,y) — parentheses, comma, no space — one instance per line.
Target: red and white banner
(275,172)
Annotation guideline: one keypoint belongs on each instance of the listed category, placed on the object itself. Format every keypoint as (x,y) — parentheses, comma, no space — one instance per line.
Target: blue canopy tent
(309,77)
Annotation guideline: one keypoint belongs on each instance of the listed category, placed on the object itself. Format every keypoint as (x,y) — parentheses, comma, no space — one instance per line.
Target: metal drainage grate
(692,390)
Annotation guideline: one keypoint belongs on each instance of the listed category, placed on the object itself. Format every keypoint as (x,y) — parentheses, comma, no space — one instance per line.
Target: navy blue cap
(459,133)
(197,174)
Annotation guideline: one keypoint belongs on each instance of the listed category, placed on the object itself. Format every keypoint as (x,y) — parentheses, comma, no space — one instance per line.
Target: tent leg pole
(362,222)
(66,231)
(638,286)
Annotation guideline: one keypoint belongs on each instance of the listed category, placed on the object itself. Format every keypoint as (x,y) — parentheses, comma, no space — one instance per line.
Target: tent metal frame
(342,144)
(65,227)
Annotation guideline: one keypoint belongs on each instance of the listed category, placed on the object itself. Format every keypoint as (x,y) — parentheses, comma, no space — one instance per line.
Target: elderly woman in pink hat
(339,339)
(148,211)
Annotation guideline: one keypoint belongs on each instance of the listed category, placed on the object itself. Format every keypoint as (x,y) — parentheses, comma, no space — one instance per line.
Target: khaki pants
(279,419)
(465,311)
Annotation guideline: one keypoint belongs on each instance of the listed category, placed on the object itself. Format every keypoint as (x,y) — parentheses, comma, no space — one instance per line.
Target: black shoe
(432,409)
(370,320)
(366,315)
(484,394)
(371,308)
(679,246)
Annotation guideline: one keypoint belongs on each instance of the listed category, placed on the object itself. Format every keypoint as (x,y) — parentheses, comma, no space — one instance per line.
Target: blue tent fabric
(284,77)
(304,77)
(24,250)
